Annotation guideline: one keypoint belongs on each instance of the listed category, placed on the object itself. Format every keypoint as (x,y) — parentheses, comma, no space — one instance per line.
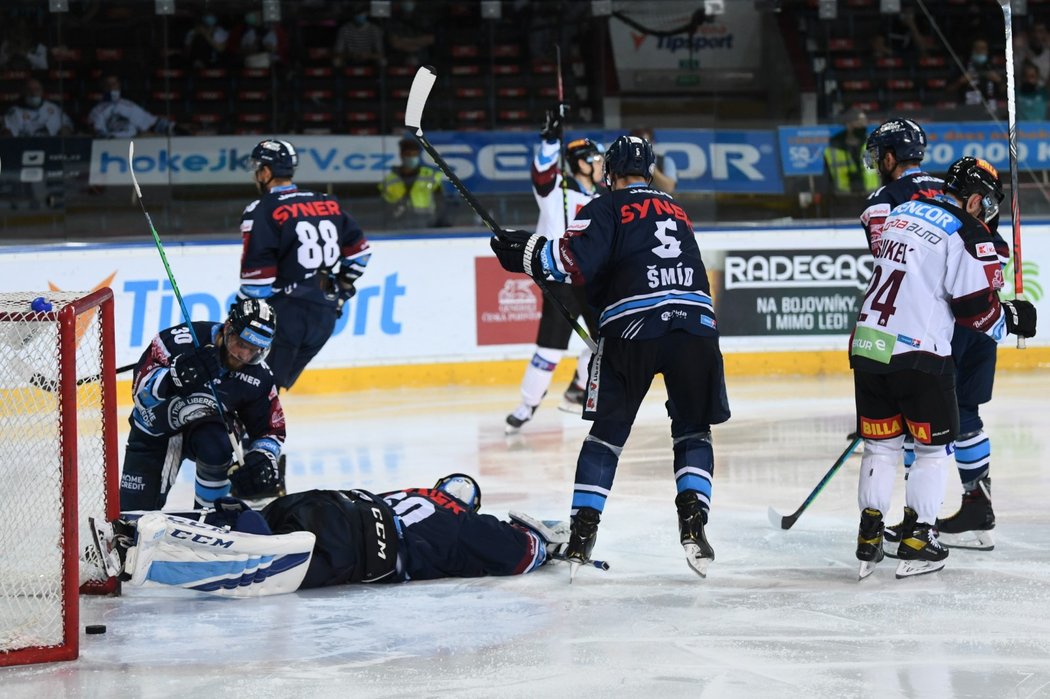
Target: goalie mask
(463,488)
(249,330)
(968,176)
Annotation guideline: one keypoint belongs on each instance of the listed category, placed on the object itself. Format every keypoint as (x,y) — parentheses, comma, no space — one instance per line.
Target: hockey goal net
(58,465)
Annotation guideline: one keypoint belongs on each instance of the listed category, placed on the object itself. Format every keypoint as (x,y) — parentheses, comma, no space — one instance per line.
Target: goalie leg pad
(176,552)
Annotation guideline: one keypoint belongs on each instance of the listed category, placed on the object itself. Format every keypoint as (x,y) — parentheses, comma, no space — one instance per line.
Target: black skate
(920,552)
(573,399)
(522,414)
(869,542)
(582,534)
(971,527)
(698,553)
(892,535)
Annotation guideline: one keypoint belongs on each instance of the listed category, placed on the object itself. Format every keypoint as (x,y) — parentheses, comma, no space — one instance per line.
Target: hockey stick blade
(422,84)
(787,522)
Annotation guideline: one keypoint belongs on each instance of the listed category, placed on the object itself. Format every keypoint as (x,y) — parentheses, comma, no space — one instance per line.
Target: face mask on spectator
(1029,88)
(411,162)
(408,7)
(360,19)
(979,59)
(114,95)
(33,101)
(209,20)
(252,19)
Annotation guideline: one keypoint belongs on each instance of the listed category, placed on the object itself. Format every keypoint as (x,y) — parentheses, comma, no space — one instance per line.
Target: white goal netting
(55,421)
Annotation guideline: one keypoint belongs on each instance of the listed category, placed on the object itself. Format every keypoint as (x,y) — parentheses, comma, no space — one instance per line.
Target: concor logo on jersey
(836,268)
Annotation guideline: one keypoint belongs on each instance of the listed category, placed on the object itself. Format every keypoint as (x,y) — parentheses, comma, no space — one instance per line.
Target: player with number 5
(303,253)
(634,252)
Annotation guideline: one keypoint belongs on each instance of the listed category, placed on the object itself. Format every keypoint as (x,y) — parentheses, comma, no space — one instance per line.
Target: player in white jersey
(936,267)
(36,116)
(559,198)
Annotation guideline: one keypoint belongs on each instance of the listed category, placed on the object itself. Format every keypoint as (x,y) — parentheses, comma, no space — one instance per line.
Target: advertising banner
(508,305)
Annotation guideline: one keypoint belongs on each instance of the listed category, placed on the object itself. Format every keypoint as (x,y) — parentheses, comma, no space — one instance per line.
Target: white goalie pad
(176,552)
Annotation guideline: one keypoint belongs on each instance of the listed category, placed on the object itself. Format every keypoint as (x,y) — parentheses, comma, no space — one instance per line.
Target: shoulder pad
(251,207)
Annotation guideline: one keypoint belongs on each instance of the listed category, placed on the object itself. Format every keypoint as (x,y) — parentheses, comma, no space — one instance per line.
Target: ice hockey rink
(781,614)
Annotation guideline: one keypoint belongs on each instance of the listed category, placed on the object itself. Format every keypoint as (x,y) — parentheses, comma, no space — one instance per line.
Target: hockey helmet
(582,149)
(629,155)
(279,156)
(249,330)
(903,137)
(968,176)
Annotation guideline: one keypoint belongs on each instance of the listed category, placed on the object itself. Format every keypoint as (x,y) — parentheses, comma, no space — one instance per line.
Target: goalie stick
(781,522)
(1011,120)
(422,84)
(238,452)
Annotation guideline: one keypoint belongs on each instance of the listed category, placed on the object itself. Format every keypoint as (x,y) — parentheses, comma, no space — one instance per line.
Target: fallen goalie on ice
(320,538)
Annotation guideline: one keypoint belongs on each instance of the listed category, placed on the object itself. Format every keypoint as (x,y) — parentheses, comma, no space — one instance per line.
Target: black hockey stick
(422,84)
(787,522)
(234,442)
(51,385)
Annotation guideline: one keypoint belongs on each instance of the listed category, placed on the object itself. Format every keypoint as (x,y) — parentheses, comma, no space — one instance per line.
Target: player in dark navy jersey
(635,253)
(175,416)
(303,252)
(896,149)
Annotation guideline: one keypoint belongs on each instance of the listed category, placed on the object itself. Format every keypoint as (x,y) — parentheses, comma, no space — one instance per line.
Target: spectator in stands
(665,176)
(844,158)
(205,44)
(117,117)
(358,41)
(413,192)
(980,82)
(36,116)
(1037,50)
(253,45)
(880,48)
(411,33)
(1031,95)
(21,51)
(905,36)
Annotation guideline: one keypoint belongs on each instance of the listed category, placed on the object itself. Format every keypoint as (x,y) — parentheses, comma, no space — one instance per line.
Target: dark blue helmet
(903,137)
(629,155)
(968,176)
(253,323)
(280,156)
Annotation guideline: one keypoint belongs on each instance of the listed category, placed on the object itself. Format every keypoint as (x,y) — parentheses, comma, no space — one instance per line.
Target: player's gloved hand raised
(554,122)
(519,251)
(1020,317)
(258,477)
(194,369)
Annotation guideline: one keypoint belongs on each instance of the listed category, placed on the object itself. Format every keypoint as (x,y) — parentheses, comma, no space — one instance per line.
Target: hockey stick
(781,522)
(234,442)
(51,385)
(1011,119)
(561,143)
(422,84)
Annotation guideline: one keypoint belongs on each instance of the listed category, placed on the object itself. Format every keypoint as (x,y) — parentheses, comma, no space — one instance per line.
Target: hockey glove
(345,281)
(519,251)
(259,477)
(1020,317)
(553,123)
(194,369)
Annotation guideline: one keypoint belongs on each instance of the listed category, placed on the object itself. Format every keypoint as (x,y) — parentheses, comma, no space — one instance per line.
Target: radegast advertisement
(487,162)
(782,292)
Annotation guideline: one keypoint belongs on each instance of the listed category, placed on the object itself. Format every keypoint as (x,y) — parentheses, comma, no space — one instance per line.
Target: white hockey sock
(878,470)
(924,491)
(581,366)
(538,375)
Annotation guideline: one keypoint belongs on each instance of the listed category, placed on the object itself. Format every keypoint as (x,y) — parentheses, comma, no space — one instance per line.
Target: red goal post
(58,466)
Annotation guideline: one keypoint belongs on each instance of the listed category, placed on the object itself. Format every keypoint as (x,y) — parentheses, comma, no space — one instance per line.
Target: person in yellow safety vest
(844,157)
(413,192)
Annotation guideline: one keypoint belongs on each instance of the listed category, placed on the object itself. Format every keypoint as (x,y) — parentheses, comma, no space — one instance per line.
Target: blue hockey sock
(595,470)
(211,484)
(909,453)
(694,465)
(973,454)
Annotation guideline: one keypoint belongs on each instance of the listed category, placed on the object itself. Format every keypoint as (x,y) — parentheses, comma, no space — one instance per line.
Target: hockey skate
(920,552)
(582,534)
(522,414)
(971,527)
(869,542)
(573,399)
(698,552)
(892,535)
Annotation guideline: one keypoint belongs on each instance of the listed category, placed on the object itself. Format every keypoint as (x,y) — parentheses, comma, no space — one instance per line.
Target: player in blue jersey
(175,415)
(896,149)
(634,252)
(303,253)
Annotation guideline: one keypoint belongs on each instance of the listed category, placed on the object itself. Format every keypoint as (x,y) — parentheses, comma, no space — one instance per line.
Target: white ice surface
(781,614)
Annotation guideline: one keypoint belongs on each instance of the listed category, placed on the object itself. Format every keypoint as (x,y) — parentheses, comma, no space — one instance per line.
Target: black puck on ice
(95,628)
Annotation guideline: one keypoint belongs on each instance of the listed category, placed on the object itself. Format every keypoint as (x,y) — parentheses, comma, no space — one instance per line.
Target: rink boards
(437,309)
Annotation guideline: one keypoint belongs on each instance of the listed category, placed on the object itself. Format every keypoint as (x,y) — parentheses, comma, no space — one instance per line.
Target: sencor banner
(802,148)
(487,162)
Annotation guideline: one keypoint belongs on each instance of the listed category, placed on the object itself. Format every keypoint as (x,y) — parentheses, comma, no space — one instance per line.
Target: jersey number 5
(318,245)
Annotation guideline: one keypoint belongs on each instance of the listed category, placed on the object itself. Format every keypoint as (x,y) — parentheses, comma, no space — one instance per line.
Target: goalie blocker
(320,538)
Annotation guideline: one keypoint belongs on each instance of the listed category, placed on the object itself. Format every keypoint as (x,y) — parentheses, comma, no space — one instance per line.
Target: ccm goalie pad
(178,552)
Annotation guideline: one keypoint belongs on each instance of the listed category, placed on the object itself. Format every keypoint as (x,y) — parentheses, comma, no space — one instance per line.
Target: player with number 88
(303,253)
